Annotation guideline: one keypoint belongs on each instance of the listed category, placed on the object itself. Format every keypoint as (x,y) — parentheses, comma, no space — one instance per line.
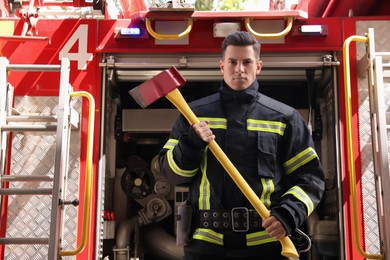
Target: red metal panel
(317,7)
(219,15)
(337,8)
(74,3)
(349,29)
(60,33)
(380,8)
(201,39)
(69,36)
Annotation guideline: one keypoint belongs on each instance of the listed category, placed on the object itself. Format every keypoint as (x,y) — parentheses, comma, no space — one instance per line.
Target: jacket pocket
(266,156)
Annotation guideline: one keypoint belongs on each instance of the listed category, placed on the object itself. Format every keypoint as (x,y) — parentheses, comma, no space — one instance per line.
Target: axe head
(157,87)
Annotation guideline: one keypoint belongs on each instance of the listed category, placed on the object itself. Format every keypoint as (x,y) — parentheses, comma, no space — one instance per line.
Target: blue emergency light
(132,31)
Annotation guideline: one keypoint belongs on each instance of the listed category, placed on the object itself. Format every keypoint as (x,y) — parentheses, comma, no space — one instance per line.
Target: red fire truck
(79,172)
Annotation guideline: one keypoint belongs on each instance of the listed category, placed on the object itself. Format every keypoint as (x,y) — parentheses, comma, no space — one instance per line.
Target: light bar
(132,31)
(314,30)
(317,29)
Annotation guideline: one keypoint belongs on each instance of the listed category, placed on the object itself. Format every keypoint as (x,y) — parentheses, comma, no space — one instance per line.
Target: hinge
(329,61)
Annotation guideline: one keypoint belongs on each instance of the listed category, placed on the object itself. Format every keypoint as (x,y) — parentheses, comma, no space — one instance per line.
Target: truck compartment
(143,202)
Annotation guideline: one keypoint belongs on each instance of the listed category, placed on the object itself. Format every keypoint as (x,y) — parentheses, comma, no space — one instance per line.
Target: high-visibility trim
(176,169)
(208,235)
(252,239)
(300,159)
(259,238)
(215,122)
(171,143)
(266,126)
(303,197)
(268,189)
(204,187)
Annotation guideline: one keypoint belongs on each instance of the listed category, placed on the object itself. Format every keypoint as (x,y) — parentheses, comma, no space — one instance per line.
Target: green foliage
(211,5)
(204,5)
(230,5)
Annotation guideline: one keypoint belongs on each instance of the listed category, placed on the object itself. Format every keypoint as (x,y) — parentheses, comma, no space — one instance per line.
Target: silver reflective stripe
(204,187)
(258,238)
(208,235)
(301,195)
(300,159)
(176,169)
(268,189)
(266,126)
(171,143)
(215,123)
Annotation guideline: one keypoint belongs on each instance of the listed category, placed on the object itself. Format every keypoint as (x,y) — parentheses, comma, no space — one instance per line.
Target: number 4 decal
(81,56)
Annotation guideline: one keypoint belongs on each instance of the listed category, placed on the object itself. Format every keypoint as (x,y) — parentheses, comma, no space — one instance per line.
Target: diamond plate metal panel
(34,153)
(371,224)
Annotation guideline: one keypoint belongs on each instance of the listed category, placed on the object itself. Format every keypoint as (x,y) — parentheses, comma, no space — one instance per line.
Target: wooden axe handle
(175,97)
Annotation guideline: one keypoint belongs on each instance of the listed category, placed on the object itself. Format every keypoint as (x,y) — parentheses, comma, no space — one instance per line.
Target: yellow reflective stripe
(300,159)
(171,143)
(258,238)
(214,122)
(266,126)
(208,235)
(176,169)
(204,188)
(268,189)
(302,196)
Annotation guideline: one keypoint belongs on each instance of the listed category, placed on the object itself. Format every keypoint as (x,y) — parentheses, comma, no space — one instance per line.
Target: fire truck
(79,157)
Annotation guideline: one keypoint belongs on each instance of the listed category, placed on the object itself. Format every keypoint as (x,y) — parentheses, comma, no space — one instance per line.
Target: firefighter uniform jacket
(269,144)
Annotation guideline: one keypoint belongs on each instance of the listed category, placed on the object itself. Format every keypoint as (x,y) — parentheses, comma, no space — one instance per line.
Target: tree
(215,5)
(204,5)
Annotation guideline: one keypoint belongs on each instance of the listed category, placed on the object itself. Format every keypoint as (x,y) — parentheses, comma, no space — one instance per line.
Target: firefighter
(270,145)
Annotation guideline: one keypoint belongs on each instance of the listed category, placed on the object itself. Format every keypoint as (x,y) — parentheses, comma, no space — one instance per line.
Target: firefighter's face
(240,66)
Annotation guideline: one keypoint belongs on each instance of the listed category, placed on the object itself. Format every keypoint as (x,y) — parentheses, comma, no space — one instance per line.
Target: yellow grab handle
(88,175)
(168,36)
(350,153)
(269,35)
(175,97)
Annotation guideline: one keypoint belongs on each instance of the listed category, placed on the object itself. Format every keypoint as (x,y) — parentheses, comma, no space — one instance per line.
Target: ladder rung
(24,240)
(26,128)
(33,67)
(32,178)
(15,191)
(31,118)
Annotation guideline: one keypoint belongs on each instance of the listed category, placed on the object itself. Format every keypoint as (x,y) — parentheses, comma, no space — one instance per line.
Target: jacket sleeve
(181,156)
(304,177)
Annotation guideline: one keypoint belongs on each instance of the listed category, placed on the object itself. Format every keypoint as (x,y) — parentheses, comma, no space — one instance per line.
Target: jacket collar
(229,95)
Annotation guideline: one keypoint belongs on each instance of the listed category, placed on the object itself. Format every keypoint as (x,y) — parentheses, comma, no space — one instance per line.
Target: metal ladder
(377,72)
(61,123)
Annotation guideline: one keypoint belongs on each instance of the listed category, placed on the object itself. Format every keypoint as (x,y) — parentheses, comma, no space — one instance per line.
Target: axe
(166,83)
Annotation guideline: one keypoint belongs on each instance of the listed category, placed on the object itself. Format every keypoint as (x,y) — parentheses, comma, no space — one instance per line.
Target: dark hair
(241,38)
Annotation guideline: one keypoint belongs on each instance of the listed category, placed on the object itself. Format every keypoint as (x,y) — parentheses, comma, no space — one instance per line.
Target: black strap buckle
(240,219)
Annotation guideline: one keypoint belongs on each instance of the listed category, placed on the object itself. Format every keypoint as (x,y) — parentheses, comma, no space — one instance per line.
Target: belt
(239,219)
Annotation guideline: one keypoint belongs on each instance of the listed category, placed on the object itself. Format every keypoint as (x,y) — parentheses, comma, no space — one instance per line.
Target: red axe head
(157,87)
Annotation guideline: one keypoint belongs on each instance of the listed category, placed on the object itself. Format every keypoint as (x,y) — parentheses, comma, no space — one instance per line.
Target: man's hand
(274,228)
(203,131)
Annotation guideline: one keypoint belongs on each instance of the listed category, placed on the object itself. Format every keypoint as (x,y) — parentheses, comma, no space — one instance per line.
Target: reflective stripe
(252,239)
(204,187)
(215,123)
(171,143)
(258,238)
(302,196)
(268,189)
(208,235)
(300,159)
(266,126)
(176,169)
